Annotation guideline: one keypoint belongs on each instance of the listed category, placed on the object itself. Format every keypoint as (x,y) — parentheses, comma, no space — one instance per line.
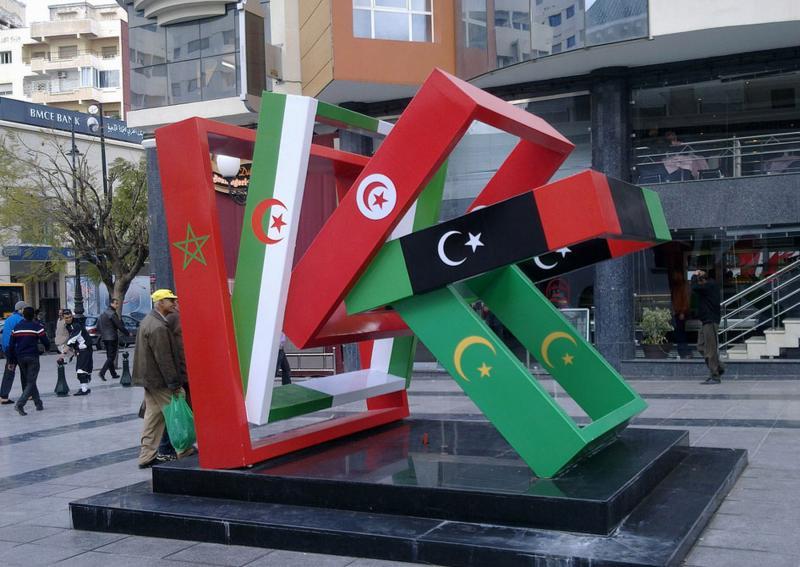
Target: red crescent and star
(277,220)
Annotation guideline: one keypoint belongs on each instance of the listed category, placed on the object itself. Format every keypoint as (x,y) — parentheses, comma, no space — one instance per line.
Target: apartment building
(74,59)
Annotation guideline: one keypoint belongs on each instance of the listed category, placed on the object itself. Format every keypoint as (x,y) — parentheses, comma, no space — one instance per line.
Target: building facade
(699,101)
(21,260)
(71,61)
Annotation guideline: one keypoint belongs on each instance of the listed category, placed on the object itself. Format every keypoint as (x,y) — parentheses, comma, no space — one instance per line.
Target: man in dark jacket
(110,325)
(10,368)
(157,368)
(24,351)
(708,311)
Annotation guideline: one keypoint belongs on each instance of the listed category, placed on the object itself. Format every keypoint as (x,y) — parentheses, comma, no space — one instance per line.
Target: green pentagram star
(198,241)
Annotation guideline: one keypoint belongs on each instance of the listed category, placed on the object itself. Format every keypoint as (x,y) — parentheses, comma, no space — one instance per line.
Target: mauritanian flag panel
(269,233)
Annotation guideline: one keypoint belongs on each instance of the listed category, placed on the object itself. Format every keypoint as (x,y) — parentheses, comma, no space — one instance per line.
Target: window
(181,63)
(67,51)
(522,21)
(6,89)
(570,11)
(5,57)
(399,20)
(571,41)
(474,17)
(555,20)
(107,79)
(109,51)
(556,48)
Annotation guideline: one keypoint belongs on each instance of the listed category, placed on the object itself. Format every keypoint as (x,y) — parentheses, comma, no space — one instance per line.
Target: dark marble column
(160,263)
(613,285)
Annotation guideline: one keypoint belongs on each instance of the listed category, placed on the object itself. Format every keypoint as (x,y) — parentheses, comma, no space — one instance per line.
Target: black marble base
(466,472)
(658,492)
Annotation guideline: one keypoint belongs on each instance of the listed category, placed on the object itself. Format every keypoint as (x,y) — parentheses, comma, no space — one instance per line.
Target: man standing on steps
(110,325)
(157,368)
(708,311)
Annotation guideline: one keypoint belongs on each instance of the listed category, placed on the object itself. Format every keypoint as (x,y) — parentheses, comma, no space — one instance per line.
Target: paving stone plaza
(81,446)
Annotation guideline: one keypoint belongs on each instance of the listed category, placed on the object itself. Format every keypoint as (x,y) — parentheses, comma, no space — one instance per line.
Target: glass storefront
(483,149)
(729,126)
(180,63)
(755,268)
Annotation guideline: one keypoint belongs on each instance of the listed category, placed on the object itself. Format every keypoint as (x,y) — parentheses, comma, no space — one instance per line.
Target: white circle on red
(376,196)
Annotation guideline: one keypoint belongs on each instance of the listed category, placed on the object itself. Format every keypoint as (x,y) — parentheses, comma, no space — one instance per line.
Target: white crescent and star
(543,266)
(473,241)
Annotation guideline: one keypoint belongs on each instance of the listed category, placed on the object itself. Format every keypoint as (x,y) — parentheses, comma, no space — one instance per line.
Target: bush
(656,323)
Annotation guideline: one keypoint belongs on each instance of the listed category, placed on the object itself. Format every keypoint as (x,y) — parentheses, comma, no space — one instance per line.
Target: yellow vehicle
(10,293)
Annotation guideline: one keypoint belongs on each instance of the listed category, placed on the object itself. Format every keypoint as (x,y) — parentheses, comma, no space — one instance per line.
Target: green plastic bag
(180,423)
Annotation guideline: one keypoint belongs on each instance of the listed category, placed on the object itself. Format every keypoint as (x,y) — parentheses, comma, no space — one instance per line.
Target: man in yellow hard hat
(157,368)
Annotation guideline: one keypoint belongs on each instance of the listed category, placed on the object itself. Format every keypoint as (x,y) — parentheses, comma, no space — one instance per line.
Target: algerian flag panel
(269,233)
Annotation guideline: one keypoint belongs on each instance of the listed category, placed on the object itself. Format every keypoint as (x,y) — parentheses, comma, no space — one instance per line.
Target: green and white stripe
(280,164)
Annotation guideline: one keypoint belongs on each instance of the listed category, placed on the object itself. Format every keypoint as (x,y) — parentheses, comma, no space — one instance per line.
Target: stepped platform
(440,492)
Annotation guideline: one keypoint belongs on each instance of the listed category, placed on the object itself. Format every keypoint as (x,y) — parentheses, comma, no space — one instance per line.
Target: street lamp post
(78,296)
(98,125)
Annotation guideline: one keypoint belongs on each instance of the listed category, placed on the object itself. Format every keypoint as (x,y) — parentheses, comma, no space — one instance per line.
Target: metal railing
(764,154)
(761,304)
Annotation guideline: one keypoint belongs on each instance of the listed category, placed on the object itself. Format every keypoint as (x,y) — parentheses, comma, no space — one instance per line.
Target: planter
(657,351)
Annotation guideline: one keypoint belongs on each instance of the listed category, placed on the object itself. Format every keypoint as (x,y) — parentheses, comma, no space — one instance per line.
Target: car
(130,323)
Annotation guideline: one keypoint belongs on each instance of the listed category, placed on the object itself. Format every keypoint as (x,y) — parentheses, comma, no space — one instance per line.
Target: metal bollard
(61,383)
(126,371)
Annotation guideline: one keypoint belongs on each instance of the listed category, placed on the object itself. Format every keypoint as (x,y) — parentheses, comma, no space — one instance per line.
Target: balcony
(55,95)
(748,156)
(54,63)
(74,28)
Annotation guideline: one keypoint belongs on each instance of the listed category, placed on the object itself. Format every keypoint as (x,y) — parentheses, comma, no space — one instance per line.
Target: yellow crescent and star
(192,247)
(567,359)
(484,369)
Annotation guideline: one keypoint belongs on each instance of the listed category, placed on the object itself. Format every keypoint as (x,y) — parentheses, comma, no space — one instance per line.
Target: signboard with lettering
(60,119)
(37,253)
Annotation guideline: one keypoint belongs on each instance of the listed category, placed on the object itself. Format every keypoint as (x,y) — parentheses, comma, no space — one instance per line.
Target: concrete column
(613,285)
(160,263)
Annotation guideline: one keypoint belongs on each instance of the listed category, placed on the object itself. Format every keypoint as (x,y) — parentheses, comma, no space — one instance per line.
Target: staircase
(760,321)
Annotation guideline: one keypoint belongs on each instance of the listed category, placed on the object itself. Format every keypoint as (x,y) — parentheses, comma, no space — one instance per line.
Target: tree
(46,200)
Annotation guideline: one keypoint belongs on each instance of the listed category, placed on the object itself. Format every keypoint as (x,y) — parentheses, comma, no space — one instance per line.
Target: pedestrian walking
(10,368)
(110,325)
(708,311)
(79,345)
(157,368)
(283,363)
(24,352)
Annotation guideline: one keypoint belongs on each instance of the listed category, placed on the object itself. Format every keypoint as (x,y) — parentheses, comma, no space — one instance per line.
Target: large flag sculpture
(381,271)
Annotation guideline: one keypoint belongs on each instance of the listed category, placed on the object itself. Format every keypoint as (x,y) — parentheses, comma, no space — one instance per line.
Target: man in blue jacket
(10,368)
(23,350)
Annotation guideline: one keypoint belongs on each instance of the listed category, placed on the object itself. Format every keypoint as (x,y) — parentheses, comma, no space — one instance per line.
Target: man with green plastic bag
(156,367)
